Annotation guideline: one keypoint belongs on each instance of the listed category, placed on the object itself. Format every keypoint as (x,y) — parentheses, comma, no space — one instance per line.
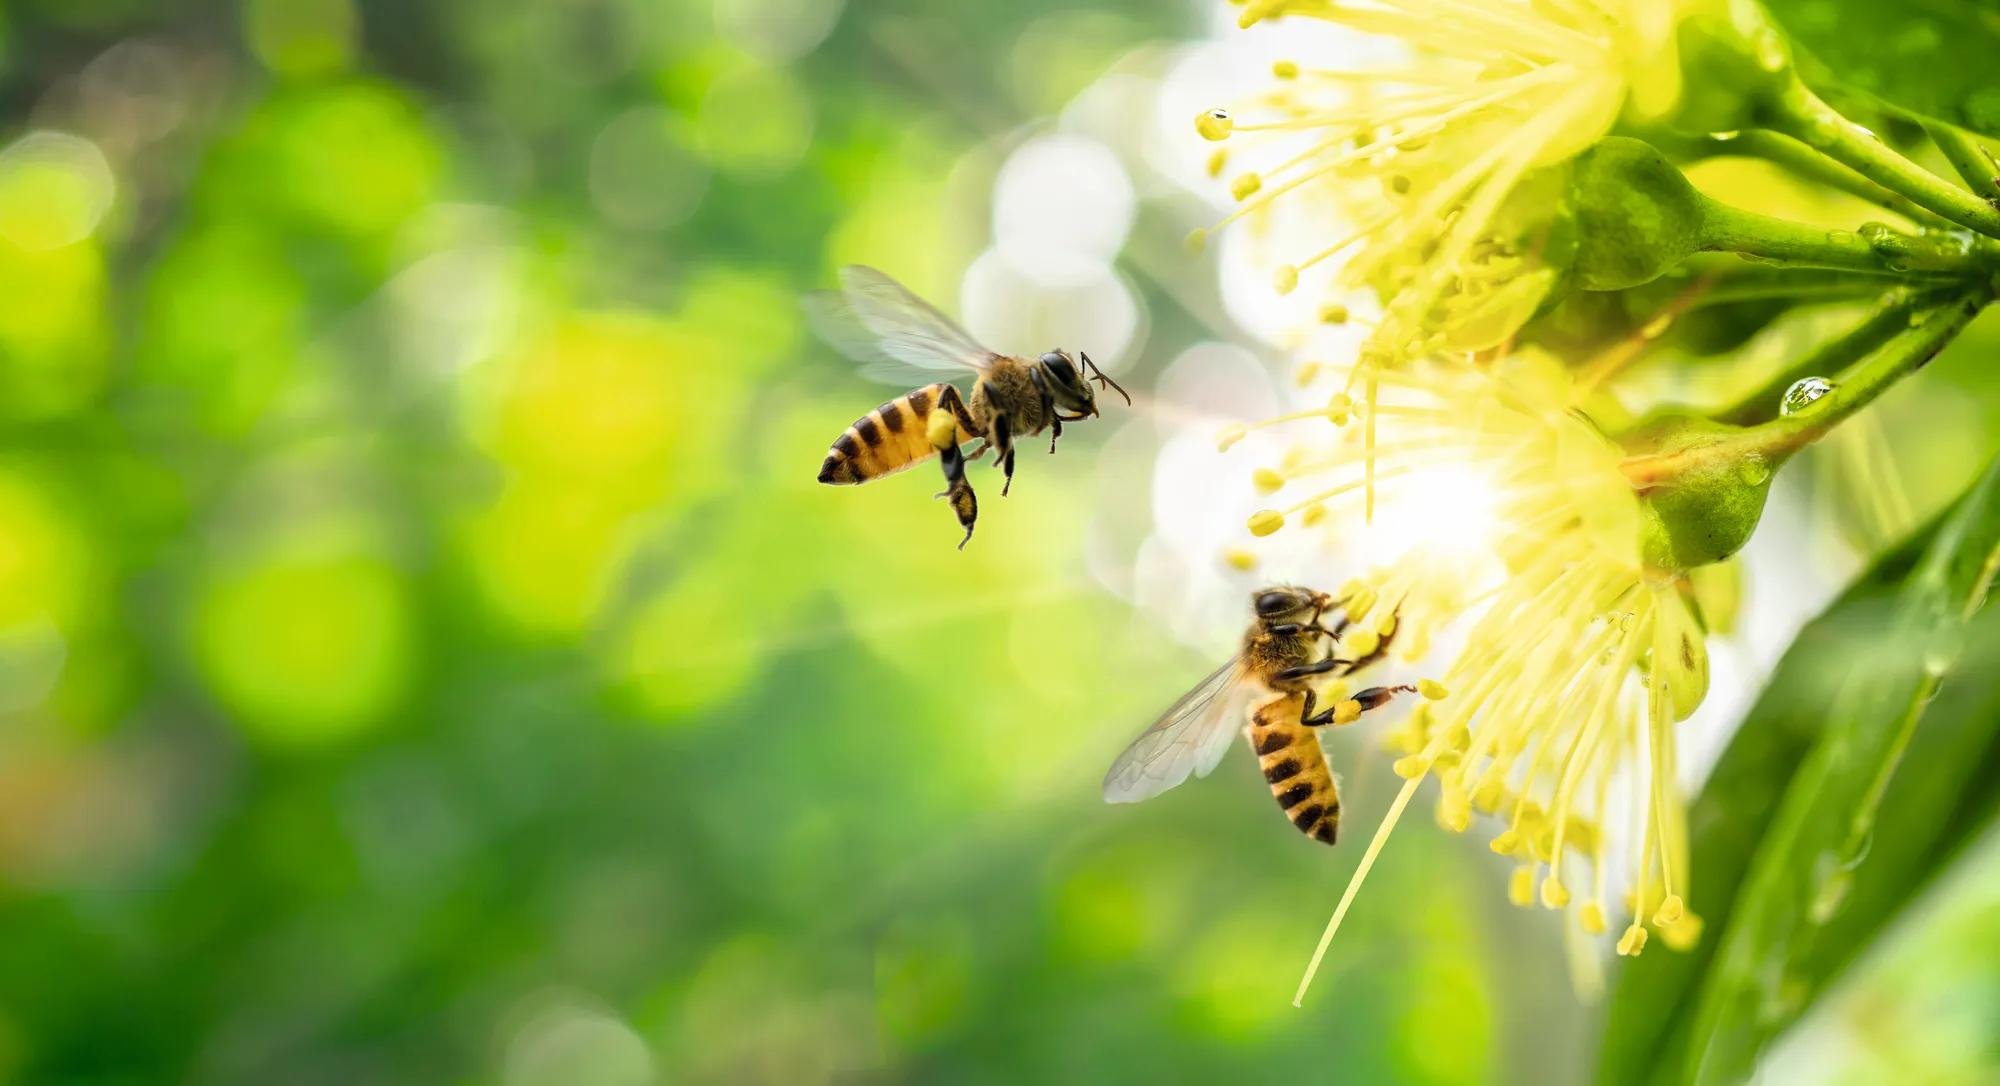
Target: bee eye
(1273,603)
(1060,367)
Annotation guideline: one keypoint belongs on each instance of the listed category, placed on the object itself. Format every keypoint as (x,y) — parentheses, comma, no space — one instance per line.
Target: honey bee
(877,322)
(1285,649)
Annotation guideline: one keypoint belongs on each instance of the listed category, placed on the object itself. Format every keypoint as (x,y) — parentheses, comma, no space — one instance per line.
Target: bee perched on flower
(1436,167)
(1579,655)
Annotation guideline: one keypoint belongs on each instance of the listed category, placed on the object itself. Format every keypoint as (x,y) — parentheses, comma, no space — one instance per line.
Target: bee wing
(1190,737)
(894,334)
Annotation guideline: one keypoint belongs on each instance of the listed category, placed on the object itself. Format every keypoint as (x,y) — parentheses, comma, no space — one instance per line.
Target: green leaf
(1786,909)
(1932,57)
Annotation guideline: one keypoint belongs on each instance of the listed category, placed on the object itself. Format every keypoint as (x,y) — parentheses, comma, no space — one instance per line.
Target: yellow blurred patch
(306,644)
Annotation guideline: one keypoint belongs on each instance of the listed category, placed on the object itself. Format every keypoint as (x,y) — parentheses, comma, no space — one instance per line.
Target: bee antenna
(1102,380)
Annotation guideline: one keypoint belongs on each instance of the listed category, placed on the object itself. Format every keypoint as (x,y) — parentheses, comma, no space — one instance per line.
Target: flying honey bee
(895,334)
(1285,649)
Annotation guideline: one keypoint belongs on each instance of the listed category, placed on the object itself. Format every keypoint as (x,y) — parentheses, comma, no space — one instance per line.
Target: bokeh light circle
(55,190)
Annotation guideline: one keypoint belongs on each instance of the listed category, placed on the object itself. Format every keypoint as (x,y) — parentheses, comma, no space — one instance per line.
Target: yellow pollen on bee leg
(1346,711)
(941,429)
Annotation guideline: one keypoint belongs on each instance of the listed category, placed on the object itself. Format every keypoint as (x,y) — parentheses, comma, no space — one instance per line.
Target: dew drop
(1724,137)
(1803,393)
(1214,124)
(1754,468)
(1875,233)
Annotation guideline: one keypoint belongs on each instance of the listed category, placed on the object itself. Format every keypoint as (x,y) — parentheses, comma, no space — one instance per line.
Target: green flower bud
(1636,216)
(1707,509)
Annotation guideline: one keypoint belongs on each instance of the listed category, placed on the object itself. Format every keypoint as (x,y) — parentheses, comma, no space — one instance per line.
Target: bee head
(1069,385)
(1282,602)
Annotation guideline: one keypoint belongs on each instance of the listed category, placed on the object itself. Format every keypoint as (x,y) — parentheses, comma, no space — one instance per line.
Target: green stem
(1859,385)
(1874,248)
(1891,316)
(1800,114)
(1968,156)
(1727,229)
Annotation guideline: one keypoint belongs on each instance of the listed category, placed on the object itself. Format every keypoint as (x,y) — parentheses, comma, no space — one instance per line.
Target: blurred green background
(426,657)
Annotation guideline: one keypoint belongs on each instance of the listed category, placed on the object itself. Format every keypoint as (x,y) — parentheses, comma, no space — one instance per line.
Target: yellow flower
(1432,165)
(1577,660)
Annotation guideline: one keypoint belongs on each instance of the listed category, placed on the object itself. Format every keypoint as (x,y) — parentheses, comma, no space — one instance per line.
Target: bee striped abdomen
(892,437)
(1300,780)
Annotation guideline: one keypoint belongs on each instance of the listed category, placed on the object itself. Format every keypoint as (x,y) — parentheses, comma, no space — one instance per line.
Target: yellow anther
(1214,124)
(1453,814)
(1682,933)
(1633,941)
(1245,185)
(1267,481)
(1670,911)
(1459,738)
(1358,605)
(1506,843)
(1285,69)
(1348,589)
(1241,559)
(1432,690)
(1285,278)
(1266,521)
(1409,767)
(1307,374)
(1591,918)
(1333,313)
(1217,161)
(1361,642)
(1229,436)
(1554,894)
(1339,409)
(1386,625)
(1313,514)
(1521,887)
(1197,240)
(1491,793)
(1347,711)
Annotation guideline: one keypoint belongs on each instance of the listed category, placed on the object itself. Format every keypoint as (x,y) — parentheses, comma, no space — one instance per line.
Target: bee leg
(1371,698)
(944,438)
(1321,667)
(1002,437)
(1055,431)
